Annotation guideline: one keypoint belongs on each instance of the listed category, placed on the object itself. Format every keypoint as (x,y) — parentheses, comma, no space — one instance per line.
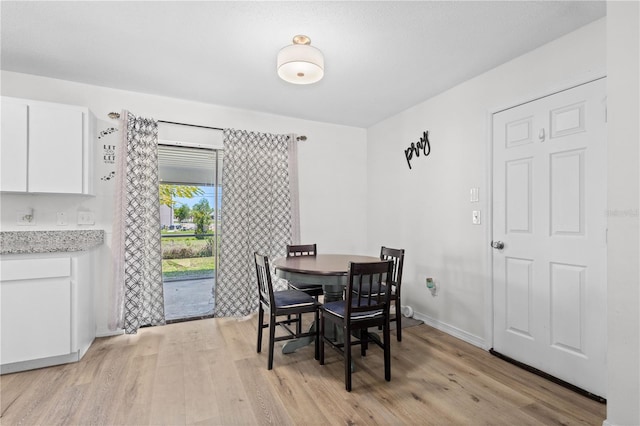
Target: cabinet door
(35,303)
(55,149)
(13,146)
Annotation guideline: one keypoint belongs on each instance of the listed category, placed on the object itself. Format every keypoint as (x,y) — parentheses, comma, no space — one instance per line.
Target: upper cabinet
(46,147)
(13,147)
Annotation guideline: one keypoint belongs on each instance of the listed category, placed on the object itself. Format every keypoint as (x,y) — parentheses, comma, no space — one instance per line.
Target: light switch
(474,196)
(475,217)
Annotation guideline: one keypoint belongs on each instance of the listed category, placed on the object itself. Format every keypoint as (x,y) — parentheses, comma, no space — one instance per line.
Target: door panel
(567,193)
(549,186)
(567,306)
(518,198)
(518,300)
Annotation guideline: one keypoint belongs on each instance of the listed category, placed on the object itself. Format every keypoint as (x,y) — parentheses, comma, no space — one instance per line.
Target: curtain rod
(116,115)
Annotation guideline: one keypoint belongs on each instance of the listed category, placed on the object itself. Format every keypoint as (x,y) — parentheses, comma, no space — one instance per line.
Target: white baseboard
(454,331)
(109,333)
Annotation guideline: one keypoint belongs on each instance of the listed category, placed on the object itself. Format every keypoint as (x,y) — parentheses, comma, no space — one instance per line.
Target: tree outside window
(201,212)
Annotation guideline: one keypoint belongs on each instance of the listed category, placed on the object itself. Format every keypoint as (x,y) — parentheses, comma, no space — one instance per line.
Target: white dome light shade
(300,63)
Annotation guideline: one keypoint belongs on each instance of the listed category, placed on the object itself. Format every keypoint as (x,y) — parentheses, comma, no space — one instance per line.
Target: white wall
(332,166)
(623,280)
(427,210)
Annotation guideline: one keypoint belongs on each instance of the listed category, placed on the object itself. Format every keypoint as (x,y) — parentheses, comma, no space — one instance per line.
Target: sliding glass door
(190,212)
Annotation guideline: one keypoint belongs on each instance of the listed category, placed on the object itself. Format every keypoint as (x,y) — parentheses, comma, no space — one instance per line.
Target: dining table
(329,270)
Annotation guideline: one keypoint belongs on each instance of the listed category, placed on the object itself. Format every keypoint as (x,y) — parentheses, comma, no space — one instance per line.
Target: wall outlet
(86,218)
(61,219)
(25,217)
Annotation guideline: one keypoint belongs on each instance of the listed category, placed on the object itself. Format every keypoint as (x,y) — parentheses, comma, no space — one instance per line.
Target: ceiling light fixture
(300,63)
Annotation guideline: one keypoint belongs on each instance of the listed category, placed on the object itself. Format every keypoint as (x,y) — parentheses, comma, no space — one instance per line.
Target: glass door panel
(191,201)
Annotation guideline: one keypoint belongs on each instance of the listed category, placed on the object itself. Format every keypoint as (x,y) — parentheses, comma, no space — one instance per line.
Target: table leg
(290,346)
(332,292)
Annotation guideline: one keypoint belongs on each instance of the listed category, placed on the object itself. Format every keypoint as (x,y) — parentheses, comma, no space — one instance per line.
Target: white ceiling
(380,57)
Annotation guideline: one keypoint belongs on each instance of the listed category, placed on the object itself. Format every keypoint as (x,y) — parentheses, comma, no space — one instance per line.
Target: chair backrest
(263,274)
(364,284)
(397,257)
(301,250)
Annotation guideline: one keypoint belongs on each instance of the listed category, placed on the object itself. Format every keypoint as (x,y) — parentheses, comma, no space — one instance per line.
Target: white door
(549,211)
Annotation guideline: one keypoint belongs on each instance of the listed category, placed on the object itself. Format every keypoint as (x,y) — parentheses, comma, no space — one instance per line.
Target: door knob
(497,245)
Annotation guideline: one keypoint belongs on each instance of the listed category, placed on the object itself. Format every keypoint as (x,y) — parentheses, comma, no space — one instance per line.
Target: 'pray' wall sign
(416,148)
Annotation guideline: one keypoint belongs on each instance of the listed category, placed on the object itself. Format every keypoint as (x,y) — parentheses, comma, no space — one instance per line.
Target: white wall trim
(488,291)
(451,330)
(109,333)
(552,89)
(607,423)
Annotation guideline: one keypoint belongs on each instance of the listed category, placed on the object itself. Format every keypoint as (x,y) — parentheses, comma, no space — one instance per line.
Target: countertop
(20,242)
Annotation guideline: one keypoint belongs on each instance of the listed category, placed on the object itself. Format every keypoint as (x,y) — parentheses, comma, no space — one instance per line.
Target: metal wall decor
(422,146)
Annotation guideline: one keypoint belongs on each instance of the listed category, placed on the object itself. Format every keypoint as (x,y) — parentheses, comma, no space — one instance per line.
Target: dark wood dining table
(330,270)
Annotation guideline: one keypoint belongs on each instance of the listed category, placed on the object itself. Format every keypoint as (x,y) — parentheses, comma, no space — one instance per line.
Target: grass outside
(188,267)
(177,232)
(186,257)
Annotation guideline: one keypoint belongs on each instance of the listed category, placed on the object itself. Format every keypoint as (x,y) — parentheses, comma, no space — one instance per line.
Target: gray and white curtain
(138,296)
(257,215)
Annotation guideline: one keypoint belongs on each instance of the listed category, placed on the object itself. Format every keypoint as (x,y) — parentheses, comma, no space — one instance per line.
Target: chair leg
(260,327)
(364,341)
(347,358)
(321,333)
(317,342)
(272,336)
(299,325)
(398,321)
(387,350)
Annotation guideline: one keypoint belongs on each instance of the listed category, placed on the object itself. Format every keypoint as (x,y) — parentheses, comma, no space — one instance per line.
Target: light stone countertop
(21,242)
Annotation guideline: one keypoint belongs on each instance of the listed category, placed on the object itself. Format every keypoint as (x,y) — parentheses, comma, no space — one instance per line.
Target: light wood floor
(207,372)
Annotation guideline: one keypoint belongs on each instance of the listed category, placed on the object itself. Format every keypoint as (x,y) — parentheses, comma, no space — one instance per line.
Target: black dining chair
(363,307)
(290,303)
(314,290)
(397,257)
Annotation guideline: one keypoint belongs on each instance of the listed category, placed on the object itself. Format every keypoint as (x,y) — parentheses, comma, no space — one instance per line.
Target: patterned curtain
(138,298)
(256,214)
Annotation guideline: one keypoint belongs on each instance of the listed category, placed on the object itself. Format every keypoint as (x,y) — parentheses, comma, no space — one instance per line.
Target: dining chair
(314,290)
(362,308)
(290,303)
(397,257)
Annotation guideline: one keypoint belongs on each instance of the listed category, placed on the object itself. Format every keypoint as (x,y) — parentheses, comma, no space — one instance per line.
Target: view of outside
(190,202)
(188,219)
(188,236)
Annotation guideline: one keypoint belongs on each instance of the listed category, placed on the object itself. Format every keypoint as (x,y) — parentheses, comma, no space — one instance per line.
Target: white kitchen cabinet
(36,309)
(13,146)
(46,147)
(46,303)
